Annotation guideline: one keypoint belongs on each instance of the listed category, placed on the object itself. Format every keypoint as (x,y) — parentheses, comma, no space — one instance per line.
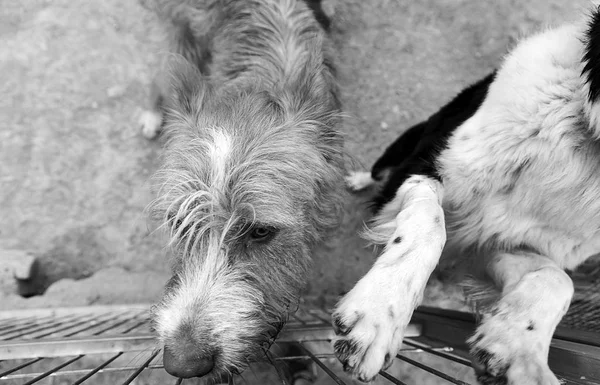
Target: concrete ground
(74,169)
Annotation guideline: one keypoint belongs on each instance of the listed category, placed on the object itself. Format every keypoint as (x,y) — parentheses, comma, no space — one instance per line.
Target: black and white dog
(505,177)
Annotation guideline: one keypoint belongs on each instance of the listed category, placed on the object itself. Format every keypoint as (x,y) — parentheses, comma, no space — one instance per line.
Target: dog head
(250,180)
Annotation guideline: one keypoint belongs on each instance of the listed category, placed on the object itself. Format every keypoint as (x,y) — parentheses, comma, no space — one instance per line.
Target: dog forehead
(260,169)
(219,152)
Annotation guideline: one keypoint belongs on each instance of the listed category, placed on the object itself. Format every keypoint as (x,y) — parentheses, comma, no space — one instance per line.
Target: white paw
(370,322)
(508,351)
(328,7)
(150,122)
(359,180)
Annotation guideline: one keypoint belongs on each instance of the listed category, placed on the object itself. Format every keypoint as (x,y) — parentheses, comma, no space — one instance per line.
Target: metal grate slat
(9,321)
(320,315)
(114,326)
(8,327)
(81,372)
(141,368)
(36,326)
(293,358)
(317,361)
(62,325)
(437,352)
(431,370)
(135,326)
(108,335)
(391,379)
(97,369)
(76,329)
(19,367)
(92,326)
(53,370)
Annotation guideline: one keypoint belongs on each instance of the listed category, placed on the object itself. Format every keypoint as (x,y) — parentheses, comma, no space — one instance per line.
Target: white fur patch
(220,150)
(179,306)
(512,343)
(150,122)
(510,170)
(359,180)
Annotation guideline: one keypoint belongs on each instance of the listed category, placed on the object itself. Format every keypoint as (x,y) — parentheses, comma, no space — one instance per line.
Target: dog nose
(188,364)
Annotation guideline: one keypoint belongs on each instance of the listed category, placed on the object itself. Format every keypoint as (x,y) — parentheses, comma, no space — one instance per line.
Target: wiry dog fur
(251,177)
(513,162)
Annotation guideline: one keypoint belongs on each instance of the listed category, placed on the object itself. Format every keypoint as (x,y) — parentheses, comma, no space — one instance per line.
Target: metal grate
(584,312)
(114,345)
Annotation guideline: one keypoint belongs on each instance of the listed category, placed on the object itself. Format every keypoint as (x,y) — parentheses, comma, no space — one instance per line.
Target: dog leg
(370,320)
(151,119)
(511,345)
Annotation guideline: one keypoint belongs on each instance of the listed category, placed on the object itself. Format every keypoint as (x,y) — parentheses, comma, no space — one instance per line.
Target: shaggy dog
(252,173)
(508,173)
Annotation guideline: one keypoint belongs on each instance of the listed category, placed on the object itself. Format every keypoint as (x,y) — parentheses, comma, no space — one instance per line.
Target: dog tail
(591,72)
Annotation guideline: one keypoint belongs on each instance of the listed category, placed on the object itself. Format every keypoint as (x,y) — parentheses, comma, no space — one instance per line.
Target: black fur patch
(592,56)
(387,361)
(514,177)
(477,339)
(342,329)
(391,313)
(395,154)
(173,283)
(531,326)
(482,357)
(320,16)
(196,50)
(494,311)
(486,379)
(489,370)
(398,240)
(339,327)
(415,152)
(344,349)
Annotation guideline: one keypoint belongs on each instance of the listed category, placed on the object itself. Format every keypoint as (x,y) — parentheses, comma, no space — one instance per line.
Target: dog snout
(187,361)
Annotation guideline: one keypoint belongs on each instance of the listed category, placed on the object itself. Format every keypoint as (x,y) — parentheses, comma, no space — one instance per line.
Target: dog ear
(312,95)
(187,88)
(315,80)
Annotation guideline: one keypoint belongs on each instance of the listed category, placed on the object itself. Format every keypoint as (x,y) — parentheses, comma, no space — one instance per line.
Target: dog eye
(262,233)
